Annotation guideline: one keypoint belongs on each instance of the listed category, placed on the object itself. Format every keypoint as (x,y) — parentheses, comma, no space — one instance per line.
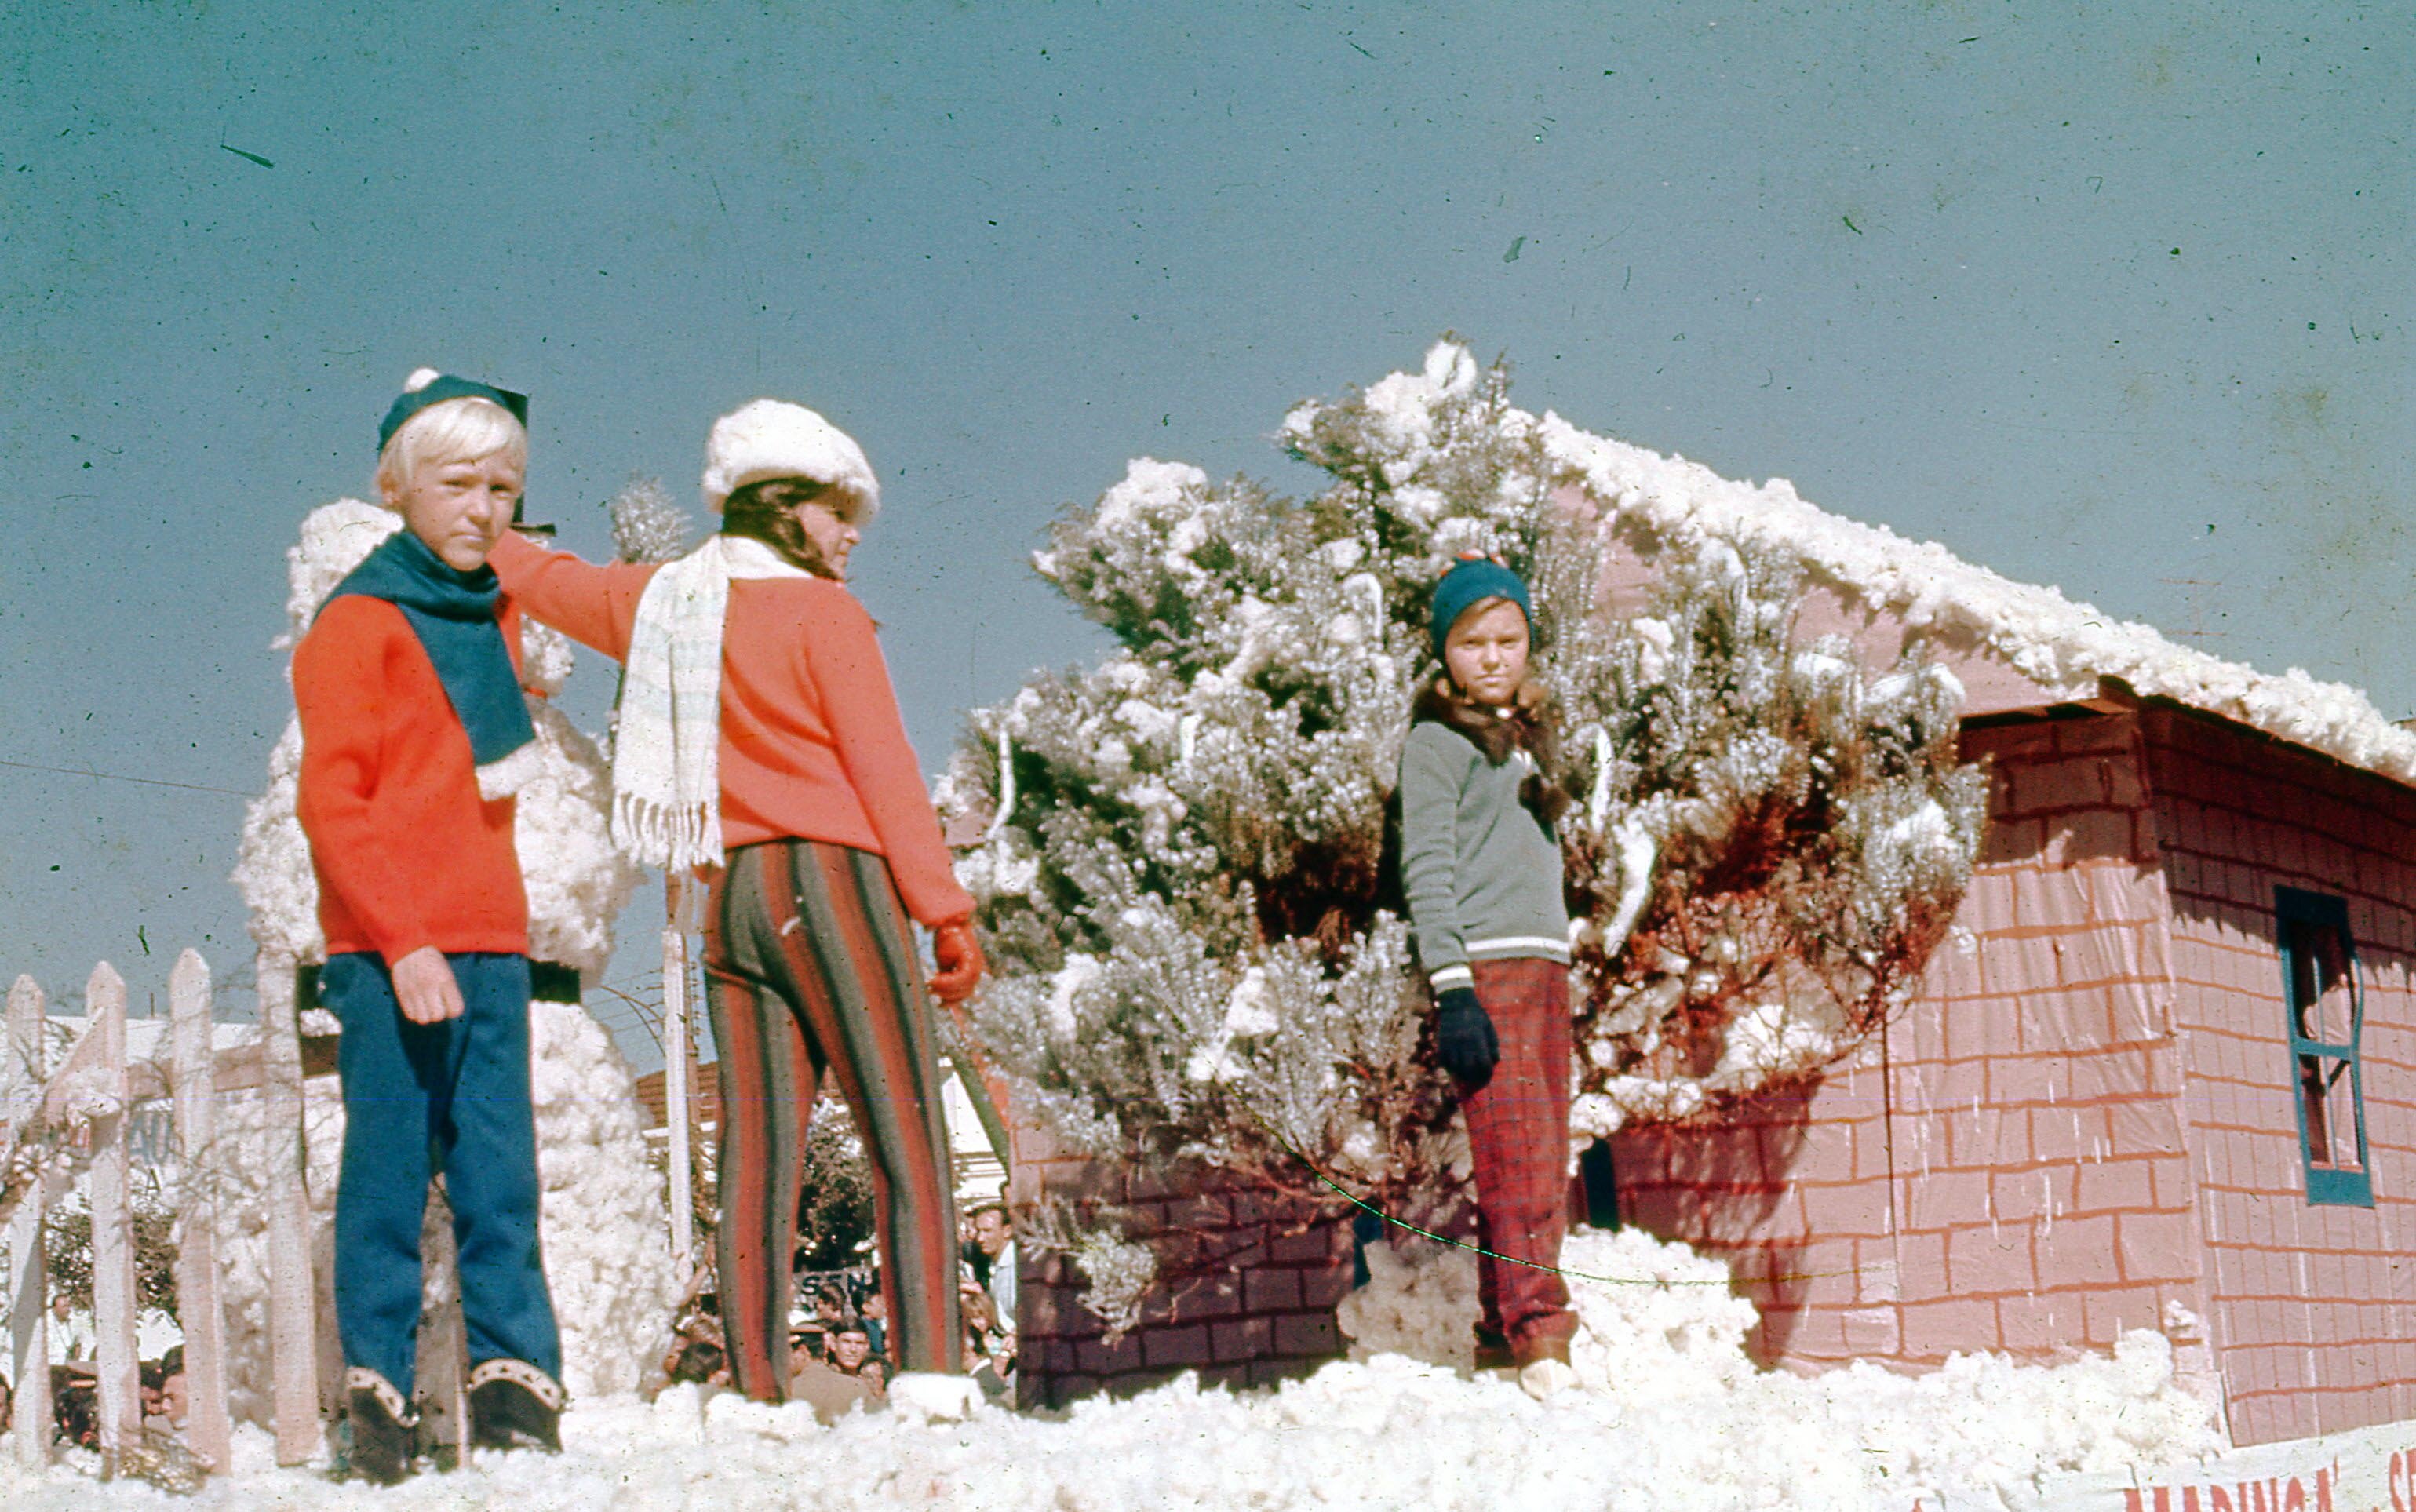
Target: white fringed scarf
(666,752)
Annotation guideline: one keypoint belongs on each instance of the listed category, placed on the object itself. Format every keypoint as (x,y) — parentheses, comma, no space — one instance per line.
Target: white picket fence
(73,1117)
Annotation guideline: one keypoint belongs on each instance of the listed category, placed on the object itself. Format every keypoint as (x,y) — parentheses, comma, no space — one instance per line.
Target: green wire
(1490,1254)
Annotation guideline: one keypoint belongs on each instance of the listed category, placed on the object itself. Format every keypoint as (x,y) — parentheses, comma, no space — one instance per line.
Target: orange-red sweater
(811,742)
(407,853)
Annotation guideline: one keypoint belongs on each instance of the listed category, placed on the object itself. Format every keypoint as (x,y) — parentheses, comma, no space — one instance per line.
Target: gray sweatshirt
(1482,872)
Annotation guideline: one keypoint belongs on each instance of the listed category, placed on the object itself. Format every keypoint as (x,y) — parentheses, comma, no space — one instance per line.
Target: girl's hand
(960,956)
(1465,1042)
(424,985)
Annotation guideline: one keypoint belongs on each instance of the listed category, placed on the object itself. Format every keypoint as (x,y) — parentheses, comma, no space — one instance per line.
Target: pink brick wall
(1253,1283)
(2004,1169)
(2314,1315)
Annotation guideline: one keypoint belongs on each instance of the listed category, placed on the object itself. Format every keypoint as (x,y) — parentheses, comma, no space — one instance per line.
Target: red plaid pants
(1518,1136)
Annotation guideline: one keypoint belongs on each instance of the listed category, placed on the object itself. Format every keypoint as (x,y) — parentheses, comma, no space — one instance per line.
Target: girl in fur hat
(1482,869)
(760,737)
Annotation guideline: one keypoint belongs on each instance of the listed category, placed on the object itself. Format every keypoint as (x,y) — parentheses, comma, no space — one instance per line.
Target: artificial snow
(1669,1415)
(1658,503)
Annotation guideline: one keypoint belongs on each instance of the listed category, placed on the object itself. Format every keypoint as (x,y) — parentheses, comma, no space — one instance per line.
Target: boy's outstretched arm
(594,605)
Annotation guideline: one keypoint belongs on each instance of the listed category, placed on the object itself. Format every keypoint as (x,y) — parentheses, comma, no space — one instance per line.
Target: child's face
(833,533)
(1485,653)
(458,509)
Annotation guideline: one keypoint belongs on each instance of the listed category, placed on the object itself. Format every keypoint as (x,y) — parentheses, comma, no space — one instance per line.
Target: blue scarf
(453,613)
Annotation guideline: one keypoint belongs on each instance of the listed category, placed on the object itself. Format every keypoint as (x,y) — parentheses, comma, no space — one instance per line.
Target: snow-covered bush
(1183,872)
(646,525)
(1773,844)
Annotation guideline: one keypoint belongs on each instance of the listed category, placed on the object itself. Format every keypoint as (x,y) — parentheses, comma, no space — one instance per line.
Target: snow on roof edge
(2062,646)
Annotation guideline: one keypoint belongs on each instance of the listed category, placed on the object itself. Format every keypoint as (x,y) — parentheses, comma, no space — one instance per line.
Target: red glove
(960,962)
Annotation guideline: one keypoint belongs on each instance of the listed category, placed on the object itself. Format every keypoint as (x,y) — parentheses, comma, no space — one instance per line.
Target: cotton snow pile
(602,1218)
(1658,501)
(577,882)
(1664,1371)
(1669,1414)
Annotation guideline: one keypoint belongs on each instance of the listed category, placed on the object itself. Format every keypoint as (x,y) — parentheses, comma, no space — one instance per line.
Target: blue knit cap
(444,387)
(1476,578)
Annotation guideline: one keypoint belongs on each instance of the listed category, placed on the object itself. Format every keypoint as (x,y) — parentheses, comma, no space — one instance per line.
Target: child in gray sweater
(1480,866)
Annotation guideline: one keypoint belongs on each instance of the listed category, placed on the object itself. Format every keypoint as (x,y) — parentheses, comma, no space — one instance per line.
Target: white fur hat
(771,438)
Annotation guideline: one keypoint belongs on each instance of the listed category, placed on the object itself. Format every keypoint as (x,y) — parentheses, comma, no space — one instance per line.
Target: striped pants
(811,970)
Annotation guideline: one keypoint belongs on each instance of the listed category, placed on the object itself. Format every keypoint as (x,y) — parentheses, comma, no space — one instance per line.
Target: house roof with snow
(2014,644)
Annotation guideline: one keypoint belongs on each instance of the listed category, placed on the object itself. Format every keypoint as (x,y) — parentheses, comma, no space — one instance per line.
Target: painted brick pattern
(2314,1307)
(2003,1169)
(1253,1282)
(704,1101)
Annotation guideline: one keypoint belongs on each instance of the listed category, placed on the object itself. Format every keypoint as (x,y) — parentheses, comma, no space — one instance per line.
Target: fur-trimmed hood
(1529,726)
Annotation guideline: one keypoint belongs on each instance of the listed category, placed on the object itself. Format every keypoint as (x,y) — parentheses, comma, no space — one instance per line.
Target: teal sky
(2110,297)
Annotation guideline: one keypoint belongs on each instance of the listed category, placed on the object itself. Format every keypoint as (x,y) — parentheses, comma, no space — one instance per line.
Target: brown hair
(760,511)
(1533,725)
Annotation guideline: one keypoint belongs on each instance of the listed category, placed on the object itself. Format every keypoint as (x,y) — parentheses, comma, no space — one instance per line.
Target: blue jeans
(421,1099)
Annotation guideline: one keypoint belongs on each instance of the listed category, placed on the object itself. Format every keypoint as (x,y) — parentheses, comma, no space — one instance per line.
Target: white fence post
(198,1307)
(113,1224)
(675,1074)
(29,1302)
(292,1312)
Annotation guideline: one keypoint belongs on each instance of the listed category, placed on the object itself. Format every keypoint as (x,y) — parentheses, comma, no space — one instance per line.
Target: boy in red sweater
(415,737)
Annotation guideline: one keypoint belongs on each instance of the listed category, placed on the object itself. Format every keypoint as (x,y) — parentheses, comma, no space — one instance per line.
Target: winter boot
(514,1405)
(383,1430)
(1493,1351)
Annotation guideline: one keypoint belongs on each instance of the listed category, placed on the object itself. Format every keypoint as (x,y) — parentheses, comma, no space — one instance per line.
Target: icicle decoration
(1598,804)
(1005,783)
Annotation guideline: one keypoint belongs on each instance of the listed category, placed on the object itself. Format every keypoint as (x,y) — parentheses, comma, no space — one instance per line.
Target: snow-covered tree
(1183,879)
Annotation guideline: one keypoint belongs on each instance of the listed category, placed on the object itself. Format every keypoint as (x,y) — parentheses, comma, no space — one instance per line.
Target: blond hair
(469,428)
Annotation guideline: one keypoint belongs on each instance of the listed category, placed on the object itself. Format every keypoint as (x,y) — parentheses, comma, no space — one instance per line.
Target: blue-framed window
(2327,1013)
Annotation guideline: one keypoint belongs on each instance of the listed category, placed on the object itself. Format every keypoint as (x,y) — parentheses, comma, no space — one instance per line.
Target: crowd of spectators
(75,1384)
(838,1334)
(988,1291)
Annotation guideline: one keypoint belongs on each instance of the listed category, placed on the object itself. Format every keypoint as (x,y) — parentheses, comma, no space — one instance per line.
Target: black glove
(1464,1038)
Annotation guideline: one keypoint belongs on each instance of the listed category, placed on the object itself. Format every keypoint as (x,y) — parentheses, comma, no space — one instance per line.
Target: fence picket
(113,1222)
(207,1429)
(83,1106)
(29,1313)
(292,1314)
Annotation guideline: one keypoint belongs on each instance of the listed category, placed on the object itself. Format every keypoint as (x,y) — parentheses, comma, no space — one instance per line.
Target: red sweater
(407,853)
(812,746)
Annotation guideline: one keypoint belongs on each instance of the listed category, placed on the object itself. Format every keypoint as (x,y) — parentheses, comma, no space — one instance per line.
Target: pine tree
(1180,883)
